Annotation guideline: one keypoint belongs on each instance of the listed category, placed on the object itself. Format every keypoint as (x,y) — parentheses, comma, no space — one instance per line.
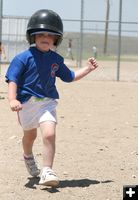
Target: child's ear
(31,39)
(58,40)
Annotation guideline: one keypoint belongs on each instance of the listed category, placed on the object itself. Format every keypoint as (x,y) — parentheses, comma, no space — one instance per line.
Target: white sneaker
(48,177)
(31,165)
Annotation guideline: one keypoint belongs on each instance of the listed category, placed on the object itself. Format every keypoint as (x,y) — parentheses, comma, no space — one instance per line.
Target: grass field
(129,51)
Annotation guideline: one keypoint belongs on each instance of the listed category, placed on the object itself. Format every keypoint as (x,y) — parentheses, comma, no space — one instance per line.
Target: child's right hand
(15,105)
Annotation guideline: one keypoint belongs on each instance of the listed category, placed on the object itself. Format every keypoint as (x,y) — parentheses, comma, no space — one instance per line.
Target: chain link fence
(14,42)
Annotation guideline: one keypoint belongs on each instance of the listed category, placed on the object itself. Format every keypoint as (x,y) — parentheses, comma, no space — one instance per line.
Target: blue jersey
(35,73)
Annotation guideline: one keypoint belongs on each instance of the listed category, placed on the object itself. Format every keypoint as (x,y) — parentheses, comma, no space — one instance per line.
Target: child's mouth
(47,43)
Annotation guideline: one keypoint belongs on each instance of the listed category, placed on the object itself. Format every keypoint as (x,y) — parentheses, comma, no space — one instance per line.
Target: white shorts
(36,111)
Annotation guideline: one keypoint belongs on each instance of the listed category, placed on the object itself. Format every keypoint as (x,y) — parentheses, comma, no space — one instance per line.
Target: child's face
(44,41)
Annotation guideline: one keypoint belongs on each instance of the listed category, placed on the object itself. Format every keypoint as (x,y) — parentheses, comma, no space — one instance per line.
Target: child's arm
(15,105)
(91,65)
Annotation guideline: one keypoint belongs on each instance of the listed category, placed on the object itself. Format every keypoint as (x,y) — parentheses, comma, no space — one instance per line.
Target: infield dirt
(96,147)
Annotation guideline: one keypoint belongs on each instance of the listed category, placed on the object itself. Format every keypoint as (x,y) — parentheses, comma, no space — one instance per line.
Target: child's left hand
(92,64)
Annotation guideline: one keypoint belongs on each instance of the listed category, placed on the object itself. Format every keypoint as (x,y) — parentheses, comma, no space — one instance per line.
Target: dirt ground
(97,148)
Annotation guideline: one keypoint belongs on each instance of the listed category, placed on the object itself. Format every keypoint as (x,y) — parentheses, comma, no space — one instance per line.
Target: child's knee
(49,135)
(30,135)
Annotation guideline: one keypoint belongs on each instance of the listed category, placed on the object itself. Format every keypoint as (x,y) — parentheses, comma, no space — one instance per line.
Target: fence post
(81,33)
(119,40)
(1,9)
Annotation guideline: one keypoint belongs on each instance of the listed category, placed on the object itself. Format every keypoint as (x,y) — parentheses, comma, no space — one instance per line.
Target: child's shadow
(64,183)
(77,183)
(32,182)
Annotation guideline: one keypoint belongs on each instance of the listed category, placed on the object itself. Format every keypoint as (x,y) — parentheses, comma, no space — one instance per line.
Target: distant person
(69,50)
(2,52)
(32,91)
(94,51)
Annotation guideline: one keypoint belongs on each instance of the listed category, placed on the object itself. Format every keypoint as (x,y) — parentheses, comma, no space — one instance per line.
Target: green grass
(114,58)
(128,50)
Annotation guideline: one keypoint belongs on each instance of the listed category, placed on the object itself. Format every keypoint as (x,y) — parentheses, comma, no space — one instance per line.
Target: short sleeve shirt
(35,73)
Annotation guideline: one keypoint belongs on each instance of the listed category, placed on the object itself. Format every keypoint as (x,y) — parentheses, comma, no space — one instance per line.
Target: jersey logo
(54,68)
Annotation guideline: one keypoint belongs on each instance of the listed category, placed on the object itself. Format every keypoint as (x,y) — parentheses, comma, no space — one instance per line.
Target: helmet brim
(44,31)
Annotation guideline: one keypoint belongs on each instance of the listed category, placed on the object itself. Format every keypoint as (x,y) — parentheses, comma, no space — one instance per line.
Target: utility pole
(106,25)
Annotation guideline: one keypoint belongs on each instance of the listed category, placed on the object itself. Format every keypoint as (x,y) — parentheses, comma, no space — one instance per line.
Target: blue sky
(71,9)
(93,9)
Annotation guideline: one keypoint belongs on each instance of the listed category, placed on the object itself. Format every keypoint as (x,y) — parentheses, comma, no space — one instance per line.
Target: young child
(32,91)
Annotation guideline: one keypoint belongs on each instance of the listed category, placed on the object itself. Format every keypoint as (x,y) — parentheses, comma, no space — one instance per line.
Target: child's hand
(92,64)
(15,105)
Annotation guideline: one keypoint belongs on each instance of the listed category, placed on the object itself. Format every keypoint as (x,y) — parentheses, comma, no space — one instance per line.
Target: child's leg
(28,140)
(48,130)
(48,176)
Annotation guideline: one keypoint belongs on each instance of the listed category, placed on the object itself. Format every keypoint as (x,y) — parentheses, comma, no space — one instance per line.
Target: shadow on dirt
(77,183)
(32,182)
(65,183)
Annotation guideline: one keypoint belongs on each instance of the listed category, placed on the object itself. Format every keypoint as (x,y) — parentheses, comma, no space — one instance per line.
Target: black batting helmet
(45,21)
